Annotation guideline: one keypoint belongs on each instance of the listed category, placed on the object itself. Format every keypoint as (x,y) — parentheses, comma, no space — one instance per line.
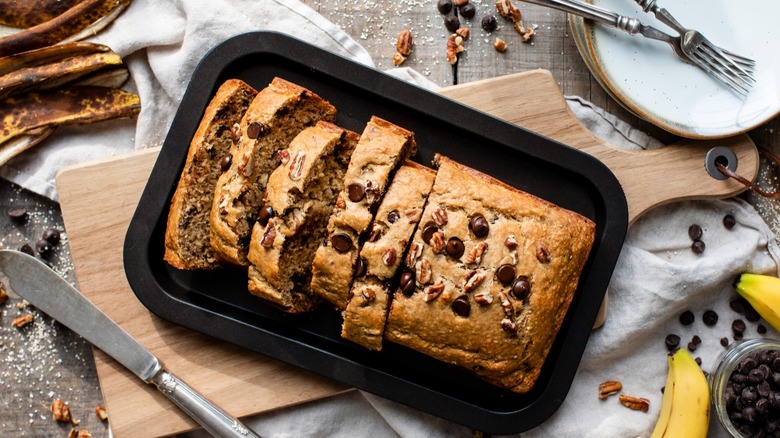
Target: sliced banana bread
(299,199)
(382,148)
(187,234)
(497,272)
(278,113)
(382,253)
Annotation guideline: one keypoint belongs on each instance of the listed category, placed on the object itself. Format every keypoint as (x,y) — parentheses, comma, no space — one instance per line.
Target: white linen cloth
(656,278)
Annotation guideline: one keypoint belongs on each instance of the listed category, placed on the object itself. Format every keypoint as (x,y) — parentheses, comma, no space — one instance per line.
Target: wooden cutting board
(99,199)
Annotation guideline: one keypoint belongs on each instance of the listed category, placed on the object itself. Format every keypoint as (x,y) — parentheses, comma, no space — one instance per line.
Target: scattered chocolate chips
(444,6)
(687,318)
(407,283)
(18,215)
(360,267)
(43,247)
(461,306)
(729,221)
(52,235)
(356,192)
(255,130)
(455,247)
(698,361)
(672,342)
(393,216)
(521,288)
(27,249)
(341,242)
(265,213)
(697,247)
(738,305)
(761,329)
(692,346)
(751,314)
(505,274)
(724,342)
(489,23)
(428,230)
(226,161)
(710,318)
(468,11)
(695,232)
(738,327)
(452,23)
(479,225)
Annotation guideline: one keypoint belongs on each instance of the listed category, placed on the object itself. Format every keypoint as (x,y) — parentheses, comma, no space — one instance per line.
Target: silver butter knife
(45,289)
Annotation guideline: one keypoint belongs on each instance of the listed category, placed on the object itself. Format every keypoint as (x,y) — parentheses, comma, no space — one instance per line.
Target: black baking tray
(217,302)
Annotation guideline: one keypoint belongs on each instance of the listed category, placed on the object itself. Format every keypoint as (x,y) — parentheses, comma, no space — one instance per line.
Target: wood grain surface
(243,382)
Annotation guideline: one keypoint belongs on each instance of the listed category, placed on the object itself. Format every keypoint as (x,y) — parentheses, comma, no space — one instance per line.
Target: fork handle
(662,15)
(592,12)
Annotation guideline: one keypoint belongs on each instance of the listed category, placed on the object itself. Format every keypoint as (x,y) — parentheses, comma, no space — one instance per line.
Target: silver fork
(737,69)
(710,61)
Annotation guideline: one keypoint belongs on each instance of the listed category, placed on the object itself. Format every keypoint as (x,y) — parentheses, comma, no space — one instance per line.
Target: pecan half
(433,291)
(404,43)
(476,253)
(423,272)
(440,216)
(437,242)
(376,232)
(542,254)
(454,48)
(60,411)
(608,388)
(635,403)
(472,280)
(506,304)
(269,235)
(296,166)
(483,298)
(415,251)
(389,257)
(414,215)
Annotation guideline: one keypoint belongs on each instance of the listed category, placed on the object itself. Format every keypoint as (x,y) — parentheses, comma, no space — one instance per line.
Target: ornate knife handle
(213,419)
(592,12)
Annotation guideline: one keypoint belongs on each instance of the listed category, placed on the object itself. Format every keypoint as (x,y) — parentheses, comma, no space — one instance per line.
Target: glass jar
(730,359)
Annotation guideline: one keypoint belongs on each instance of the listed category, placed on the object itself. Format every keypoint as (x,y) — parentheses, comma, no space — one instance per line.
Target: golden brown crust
(461,311)
(186,235)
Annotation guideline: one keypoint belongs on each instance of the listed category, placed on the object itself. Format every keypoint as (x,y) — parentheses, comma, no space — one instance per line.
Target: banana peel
(83,19)
(29,113)
(48,55)
(21,143)
(763,293)
(685,407)
(27,13)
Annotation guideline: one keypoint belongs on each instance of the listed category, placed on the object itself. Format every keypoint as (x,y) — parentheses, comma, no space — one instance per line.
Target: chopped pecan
(437,242)
(415,251)
(372,192)
(433,291)
(60,410)
(464,32)
(440,216)
(376,232)
(3,295)
(423,272)
(499,45)
(340,203)
(635,403)
(472,280)
(483,298)
(507,10)
(284,155)
(476,253)
(79,433)
(244,165)
(101,413)
(235,132)
(296,166)
(404,43)
(368,295)
(509,326)
(542,254)
(269,235)
(506,304)
(454,48)
(414,215)
(510,242)
(389,257)
(295,218)
(608,388)
(398,59)
(21,321)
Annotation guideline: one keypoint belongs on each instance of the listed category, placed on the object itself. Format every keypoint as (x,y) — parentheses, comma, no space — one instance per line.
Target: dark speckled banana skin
(29,13)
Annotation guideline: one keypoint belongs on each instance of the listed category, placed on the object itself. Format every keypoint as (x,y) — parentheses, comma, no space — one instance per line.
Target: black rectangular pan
(217,302)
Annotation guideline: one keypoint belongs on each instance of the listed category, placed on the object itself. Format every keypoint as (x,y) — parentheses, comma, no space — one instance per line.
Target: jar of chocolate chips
(746,388)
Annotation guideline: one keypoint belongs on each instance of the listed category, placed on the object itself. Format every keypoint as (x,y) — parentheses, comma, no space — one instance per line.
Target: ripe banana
(763,293)
(685,408)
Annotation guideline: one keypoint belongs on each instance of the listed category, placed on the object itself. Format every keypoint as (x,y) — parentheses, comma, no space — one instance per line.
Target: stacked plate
(646,78)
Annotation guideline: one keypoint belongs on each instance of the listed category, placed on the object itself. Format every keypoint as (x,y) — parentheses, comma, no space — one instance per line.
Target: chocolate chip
(468,11)
(672,342)
(27,249)
(455,247)
(461,306)
(687,318)
(521,288)
(360,267)
(52,235)
(356,192)
(761,329)
(341,242)
(696,339)
(452,23)
(751,314)
(710,317)
(428,230)
(255,130)
(226,161)
(393,216)
(729,221)
(18,215)
(489,23)
(407,283)
(698,360)
(505,274)
(695,232)
(692,346)
(43,247)
(724,342)
(697,247)
(265,213)
(738,305)
(738,326)
(444,6)
(479,225)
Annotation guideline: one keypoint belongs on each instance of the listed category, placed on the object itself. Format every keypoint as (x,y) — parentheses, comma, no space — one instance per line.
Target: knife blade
(31,279)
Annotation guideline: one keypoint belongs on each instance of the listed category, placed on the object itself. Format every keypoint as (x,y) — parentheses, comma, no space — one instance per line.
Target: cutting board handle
(649,178)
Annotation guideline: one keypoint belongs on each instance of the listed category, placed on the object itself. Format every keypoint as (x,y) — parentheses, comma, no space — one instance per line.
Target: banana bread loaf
(187,234)
(383,146)
(497,272)
(382,253)
(278,113)
(299,199)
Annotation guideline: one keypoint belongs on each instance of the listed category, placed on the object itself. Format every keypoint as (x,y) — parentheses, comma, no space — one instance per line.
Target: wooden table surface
(48,362)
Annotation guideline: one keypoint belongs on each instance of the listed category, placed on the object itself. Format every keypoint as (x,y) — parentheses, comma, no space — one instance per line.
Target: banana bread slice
(496,275)
(381,255)
(278,113)
(382,148)
(187,233)
(299,199)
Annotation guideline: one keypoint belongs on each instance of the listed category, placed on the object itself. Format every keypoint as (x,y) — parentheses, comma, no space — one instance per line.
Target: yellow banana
(685,408)
(763,293)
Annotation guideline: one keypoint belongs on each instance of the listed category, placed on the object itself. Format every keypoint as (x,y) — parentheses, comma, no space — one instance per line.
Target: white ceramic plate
(646,77)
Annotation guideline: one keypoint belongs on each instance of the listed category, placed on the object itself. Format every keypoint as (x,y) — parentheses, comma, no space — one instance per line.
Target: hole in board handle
(720,155)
